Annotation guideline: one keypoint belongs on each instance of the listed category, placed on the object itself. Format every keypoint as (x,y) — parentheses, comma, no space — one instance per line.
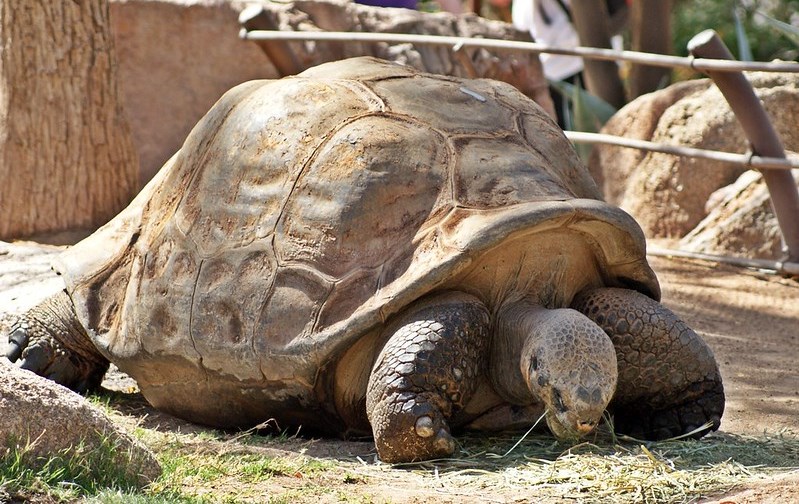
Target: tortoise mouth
(568,430)
(560,430)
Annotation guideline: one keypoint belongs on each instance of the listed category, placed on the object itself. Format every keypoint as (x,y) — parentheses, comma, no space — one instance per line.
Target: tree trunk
(66,157)
(651,32)
(602,78)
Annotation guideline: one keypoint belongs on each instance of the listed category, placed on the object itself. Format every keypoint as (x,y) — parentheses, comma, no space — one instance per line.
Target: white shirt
(549,24)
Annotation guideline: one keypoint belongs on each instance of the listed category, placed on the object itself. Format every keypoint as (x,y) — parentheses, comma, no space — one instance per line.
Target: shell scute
(289,314)
(250,163)
(230,293)
(157,315)
(365,195)
(348,295)
(493,173)
(452,107)
(558,155)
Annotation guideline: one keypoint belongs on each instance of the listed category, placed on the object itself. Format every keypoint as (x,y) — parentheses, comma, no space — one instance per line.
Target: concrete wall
(176,58)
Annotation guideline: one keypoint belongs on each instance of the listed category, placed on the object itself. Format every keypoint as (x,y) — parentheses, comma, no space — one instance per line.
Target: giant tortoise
(364,248)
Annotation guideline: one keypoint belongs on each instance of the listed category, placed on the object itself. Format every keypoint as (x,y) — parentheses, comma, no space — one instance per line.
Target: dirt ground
(749,318)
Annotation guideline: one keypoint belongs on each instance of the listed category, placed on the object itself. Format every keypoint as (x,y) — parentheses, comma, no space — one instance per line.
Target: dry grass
(606,470)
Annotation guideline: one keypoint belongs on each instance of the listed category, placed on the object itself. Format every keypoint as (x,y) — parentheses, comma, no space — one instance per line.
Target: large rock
(37,415)
(741,222)
(666,194)
(612,166)
(41,419)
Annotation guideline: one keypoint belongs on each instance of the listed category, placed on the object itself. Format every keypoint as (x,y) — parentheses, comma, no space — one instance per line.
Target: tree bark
(651,32)
(602,78)
(66,157)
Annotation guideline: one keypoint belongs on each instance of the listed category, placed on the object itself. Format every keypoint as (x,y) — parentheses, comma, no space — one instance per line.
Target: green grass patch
(197,471)
(80,470)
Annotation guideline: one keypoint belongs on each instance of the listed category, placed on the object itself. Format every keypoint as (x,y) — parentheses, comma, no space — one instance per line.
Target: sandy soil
(750,319)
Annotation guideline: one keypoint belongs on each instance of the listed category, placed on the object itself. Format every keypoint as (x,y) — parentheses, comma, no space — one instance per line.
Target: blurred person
(550,22)
(453,6)
(402,4)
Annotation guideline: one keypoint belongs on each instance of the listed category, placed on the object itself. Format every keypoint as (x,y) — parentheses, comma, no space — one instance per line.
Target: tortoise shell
(302,213)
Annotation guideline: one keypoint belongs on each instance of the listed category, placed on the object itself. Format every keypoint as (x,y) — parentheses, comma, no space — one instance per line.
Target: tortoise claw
(706,406)
(37,358)
(17,341)
(47,357)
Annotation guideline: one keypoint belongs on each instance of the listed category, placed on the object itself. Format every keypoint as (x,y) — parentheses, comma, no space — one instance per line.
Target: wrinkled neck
(515,337)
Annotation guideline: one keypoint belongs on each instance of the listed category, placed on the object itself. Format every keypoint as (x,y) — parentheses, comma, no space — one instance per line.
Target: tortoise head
(569,364)
(565,361)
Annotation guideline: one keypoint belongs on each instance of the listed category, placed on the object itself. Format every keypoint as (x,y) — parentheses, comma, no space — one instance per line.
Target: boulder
(740,222)
(42,419)
(666,194)
(38,416)
(613,166)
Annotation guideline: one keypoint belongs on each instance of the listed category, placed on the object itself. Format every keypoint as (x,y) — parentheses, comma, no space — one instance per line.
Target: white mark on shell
(474,95)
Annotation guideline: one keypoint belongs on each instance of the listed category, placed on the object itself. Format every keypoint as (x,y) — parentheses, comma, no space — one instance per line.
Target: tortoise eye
(557,400)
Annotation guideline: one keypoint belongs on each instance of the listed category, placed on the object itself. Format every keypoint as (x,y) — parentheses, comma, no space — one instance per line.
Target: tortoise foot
(412,430)
(669,382)
(706,406)
(49,341)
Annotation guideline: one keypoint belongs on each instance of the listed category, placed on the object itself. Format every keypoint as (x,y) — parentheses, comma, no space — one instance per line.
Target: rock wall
(176,58)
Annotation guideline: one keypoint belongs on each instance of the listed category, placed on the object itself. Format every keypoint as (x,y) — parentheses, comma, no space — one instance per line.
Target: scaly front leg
(669,382)
(426,372)
(51,342)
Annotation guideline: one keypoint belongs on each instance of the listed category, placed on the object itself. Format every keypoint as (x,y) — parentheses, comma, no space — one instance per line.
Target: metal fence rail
(749,160)
(782,267)
(456,43)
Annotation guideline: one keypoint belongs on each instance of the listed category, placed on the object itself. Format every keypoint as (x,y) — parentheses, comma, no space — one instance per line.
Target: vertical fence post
(761,134)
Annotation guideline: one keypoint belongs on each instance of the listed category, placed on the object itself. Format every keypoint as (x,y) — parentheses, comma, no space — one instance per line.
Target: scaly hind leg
(427,371)
(669,382)
(49,340)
